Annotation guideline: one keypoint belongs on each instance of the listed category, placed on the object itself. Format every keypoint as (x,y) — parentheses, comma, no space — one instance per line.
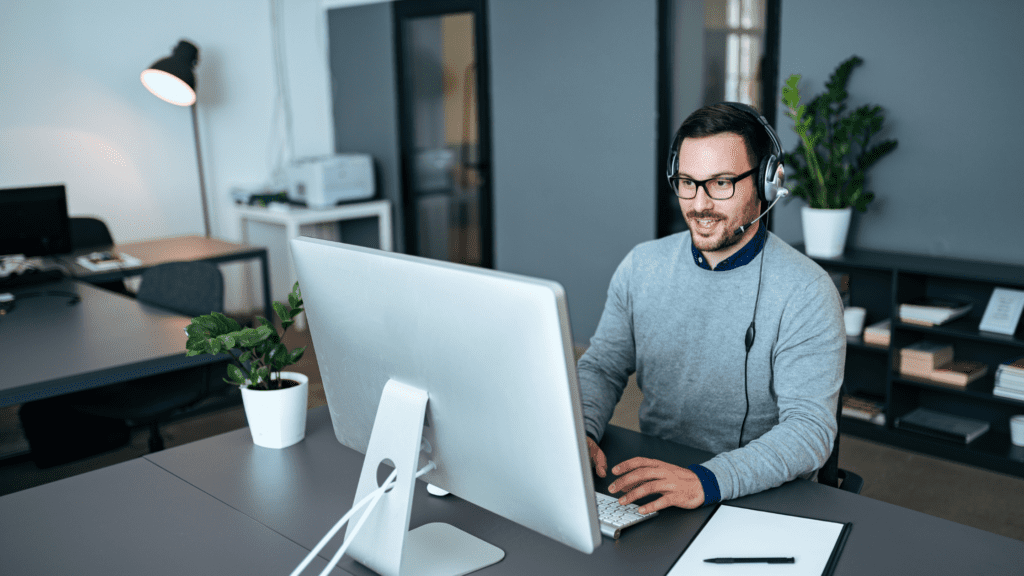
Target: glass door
(710,51)
(444,129)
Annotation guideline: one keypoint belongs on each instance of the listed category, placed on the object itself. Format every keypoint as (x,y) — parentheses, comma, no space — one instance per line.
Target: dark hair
(722,118)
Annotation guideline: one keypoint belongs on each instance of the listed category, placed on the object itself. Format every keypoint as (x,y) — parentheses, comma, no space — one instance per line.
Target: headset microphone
(782,192)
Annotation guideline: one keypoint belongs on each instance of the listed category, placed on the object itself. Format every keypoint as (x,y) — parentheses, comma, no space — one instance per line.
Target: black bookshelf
(880,282)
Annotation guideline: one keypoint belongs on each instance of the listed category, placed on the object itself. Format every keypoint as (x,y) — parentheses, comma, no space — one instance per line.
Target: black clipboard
(829,566)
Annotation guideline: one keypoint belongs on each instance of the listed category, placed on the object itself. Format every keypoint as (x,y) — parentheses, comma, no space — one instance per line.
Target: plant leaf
(281,310)
(236,375)
(227,341)
(260,377)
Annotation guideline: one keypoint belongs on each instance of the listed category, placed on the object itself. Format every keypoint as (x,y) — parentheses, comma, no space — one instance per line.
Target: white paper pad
(95,265)
(738,532)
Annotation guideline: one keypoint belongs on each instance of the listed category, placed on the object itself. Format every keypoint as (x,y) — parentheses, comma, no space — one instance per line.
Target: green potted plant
(831,160)
(275,400)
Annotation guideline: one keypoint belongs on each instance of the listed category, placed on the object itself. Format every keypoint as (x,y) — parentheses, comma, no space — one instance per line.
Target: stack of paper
(100,261)
(933,311)
(1010,380)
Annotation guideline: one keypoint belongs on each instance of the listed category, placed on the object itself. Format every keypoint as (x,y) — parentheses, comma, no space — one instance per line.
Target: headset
(768,178)
(768,183)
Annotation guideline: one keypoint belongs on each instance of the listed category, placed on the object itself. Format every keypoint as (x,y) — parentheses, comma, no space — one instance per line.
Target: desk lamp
(173,80)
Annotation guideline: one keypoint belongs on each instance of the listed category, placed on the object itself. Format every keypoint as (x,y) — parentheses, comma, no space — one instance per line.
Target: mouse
(437,491)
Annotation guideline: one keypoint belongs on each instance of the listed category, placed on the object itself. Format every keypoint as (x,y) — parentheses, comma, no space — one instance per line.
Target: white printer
(323,182)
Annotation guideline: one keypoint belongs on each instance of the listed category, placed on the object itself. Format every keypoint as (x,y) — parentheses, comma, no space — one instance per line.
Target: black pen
(749,560)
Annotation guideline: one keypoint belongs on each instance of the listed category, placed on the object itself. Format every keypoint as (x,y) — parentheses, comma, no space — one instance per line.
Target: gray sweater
(681,329)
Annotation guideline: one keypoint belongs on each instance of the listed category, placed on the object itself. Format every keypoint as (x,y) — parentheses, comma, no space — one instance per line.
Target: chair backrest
(190,288)
(828,474)
(89,233)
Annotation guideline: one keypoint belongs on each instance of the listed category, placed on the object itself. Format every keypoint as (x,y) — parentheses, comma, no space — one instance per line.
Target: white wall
(74,111)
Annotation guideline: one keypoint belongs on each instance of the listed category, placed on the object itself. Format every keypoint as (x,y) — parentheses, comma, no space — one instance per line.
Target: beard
(723,238)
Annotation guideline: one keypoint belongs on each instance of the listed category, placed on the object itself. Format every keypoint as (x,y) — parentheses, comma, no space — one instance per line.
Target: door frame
(665,203)
(403,10)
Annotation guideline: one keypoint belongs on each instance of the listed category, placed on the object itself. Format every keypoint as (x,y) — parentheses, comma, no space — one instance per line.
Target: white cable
(344,519)
(351,536)
(372,498)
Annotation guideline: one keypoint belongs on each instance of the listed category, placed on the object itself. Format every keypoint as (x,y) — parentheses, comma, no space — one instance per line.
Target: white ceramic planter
(277,418)
(825,231)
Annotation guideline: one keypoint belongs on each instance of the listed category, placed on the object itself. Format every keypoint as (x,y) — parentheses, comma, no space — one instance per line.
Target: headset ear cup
(767,186)
(770,165)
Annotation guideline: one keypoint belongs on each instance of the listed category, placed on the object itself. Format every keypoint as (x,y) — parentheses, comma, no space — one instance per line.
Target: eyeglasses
(717,188)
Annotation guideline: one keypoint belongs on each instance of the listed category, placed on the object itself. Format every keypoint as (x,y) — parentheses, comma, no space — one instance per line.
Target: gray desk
(179,249)
(50,348)
(135,518)
(301,491)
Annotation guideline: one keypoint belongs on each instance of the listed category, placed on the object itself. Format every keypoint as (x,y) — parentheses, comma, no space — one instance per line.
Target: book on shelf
(1015,367)
(864,409)
(879,333)
(959,372)
(1009,379)
(942,425)
(922,357)
(1014,393)
(933,311)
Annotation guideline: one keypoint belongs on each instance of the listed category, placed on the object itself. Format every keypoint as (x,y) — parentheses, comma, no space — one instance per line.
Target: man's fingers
(634,463)
(635,478)
(597,458)
(659,504)
(600,463)
(646,489)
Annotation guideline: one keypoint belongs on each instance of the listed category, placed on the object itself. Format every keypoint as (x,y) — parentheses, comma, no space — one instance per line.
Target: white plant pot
(277,418)
(825,231)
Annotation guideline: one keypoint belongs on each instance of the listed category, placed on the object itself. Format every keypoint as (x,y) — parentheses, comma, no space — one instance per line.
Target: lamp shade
(172,79)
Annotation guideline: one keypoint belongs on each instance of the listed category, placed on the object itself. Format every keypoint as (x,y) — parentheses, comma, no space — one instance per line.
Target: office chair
(91,234)
(190,288)
(830,473)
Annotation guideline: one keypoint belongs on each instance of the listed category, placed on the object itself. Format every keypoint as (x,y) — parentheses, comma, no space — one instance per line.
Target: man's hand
(641,477)
(597,458)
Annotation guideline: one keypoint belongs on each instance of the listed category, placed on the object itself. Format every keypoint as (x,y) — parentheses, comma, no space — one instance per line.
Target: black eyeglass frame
(698,184)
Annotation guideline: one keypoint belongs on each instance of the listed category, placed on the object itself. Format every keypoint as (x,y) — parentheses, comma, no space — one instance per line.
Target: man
(680,312)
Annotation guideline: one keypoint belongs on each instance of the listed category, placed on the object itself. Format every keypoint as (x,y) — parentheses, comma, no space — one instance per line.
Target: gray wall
(573,116)
(949,76)
(573,109)
(365,110)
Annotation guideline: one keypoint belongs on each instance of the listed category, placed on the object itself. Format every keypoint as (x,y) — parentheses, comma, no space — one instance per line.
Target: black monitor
(34,221)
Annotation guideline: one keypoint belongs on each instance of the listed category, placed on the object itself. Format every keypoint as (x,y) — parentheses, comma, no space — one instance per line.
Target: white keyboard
(614,516)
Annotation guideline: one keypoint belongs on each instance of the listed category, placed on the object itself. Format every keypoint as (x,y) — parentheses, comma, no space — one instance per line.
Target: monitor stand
(385,544)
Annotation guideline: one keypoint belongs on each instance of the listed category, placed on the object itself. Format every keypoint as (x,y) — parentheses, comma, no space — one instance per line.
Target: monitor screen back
(493,351)
(34,221)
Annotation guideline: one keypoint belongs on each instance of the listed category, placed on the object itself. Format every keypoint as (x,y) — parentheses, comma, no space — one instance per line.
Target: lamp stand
(202,178)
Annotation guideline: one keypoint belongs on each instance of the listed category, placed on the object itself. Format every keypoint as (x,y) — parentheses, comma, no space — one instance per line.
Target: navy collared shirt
(742,256)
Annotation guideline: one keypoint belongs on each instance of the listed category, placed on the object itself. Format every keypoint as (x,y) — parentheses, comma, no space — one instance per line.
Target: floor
(965,494)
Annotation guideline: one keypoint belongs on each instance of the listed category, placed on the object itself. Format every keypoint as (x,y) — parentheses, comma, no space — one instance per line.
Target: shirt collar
(742,257)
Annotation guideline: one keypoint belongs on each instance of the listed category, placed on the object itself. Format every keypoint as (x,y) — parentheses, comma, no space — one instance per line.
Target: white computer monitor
(491,353)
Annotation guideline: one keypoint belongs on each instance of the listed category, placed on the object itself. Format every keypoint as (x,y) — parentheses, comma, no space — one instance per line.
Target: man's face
(712,223)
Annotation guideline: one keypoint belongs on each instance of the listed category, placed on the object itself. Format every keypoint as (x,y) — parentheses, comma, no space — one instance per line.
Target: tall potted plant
(275,401)
(832,158)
